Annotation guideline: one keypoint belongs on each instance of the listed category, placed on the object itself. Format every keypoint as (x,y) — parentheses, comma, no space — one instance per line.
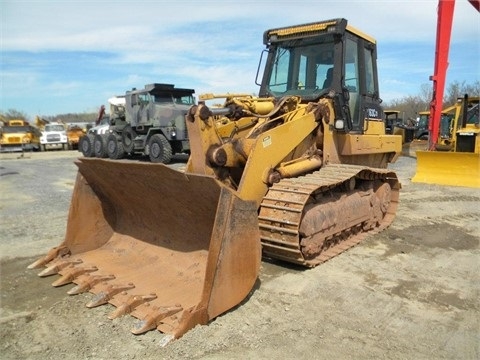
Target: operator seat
(328,80)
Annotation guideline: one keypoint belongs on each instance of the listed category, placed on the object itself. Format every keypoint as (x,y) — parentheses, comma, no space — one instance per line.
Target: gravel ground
(410,292)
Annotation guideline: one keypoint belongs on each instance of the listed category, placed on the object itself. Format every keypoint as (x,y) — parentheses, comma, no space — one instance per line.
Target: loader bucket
(448,168)
(172,249)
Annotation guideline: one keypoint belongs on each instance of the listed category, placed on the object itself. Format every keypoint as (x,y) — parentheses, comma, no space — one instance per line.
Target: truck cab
(161,109)
(153,122)
(54,136)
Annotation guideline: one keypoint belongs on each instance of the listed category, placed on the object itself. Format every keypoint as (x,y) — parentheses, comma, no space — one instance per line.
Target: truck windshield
(15,129)
(185,99)
(174,98)
(302,67)
(54,128)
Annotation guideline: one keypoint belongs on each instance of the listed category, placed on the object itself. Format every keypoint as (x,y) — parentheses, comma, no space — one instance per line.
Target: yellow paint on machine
(448,168)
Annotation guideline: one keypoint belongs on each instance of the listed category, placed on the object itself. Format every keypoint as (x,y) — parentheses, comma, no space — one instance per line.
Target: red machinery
(444,30)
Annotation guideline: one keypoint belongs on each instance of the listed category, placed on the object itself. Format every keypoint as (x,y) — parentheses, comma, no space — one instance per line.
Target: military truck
(152,123)
(89,143)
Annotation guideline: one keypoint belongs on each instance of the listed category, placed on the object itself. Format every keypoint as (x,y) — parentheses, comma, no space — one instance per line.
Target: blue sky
(69,56)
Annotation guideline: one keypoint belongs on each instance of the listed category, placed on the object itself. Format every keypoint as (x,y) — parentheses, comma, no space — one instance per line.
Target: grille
(53,137)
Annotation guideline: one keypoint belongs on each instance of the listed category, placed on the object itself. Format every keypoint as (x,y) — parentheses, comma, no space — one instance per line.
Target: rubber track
(285,201)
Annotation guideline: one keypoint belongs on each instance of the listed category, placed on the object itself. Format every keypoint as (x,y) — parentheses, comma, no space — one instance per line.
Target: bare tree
(456,90)
(426,94)
(12,114)
(411,105)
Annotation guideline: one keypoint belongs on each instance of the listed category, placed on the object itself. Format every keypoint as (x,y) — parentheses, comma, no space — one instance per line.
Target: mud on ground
(410,292)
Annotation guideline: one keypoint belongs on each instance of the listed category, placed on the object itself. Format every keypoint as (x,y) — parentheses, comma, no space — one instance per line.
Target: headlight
(339,124)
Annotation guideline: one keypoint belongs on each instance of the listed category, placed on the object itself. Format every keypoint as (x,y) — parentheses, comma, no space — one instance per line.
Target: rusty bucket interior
(172,249)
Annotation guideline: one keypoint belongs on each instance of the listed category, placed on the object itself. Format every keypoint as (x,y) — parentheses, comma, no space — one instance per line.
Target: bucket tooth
(130,305)
(106,295)
(154,317)
(57,266)
(71,273)
(58,251)
(88,283)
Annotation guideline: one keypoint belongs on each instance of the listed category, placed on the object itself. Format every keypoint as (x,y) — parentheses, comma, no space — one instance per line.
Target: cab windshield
(302,67)
(473,113)
(54,128)
(174,98)
(14,129)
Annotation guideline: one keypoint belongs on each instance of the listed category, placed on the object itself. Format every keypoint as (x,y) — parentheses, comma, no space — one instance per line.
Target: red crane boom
(444,31)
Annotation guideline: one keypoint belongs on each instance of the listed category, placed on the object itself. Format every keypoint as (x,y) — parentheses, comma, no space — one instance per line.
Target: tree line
(12,114)
(409,106)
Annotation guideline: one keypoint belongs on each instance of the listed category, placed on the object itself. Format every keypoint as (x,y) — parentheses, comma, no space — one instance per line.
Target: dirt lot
(410,292)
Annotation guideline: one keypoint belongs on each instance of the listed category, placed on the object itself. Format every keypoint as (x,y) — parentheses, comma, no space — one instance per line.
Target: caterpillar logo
(372,113)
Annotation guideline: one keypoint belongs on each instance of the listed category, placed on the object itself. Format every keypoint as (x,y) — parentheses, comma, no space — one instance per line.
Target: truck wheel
(86,145)
(128,136)
(100,146)
(114,147)
(160,150)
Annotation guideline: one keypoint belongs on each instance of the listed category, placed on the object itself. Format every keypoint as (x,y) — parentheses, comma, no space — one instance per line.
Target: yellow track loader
(397,126)
(456,159)
(298,173)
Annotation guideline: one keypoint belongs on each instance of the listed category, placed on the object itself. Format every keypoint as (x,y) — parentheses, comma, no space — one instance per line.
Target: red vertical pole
(444,31)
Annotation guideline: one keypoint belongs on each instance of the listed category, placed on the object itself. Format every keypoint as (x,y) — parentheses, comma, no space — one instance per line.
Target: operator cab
(325,59)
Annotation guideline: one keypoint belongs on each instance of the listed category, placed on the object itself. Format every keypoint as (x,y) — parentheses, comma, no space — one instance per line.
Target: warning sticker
(267,141)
